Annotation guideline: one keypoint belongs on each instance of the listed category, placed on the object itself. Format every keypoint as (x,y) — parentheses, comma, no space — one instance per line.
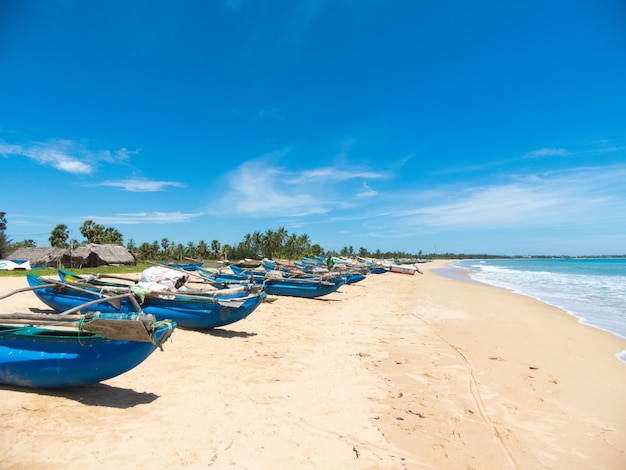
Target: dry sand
(394,372)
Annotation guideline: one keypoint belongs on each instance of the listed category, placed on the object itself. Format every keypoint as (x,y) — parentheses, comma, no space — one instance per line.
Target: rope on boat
(165,337)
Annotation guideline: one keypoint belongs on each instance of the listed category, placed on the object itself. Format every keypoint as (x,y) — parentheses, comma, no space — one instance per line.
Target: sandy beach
(394,372)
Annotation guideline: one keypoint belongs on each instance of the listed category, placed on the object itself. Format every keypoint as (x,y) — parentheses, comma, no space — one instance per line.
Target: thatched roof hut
(88,256)
(40,256)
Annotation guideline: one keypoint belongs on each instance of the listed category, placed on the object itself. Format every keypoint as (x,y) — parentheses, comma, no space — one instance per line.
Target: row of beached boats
(105,325)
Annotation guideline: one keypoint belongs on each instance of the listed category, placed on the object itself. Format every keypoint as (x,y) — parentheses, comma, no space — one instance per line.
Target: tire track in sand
(474,390)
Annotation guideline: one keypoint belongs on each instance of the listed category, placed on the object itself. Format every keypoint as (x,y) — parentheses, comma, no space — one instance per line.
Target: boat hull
(298,288)
(38,357)
(192,313)
(305,286)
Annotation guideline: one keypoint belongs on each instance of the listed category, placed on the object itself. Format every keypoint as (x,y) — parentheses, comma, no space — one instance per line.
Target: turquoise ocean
(590,289)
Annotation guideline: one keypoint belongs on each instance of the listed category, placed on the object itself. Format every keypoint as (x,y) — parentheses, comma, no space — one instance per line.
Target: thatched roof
(39,256)
(90,256)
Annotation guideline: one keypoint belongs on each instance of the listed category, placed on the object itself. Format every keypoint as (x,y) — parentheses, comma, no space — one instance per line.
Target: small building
(86,256)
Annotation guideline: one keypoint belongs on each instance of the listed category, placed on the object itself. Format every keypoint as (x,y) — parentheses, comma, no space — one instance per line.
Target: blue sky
(400,125)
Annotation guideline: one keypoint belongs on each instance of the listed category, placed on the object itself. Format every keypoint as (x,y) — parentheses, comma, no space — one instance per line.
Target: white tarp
(159,278)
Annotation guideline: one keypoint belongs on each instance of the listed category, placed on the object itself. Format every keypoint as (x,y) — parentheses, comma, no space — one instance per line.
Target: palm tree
(203,249)
(292,246)
(216,247)
(58,236)
(267,243)
(165,243)
(113,236)
(92,231)
(279,240)
(257,243)
(180,251)
(304,243)
(190,250)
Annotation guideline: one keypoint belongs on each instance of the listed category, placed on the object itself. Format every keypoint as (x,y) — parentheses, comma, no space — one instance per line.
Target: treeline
(273,244)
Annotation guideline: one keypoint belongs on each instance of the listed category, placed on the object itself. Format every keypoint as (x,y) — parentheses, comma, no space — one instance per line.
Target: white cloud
(257,188)
(368,192)
(64,155)
(141,185)
(336,173)
(143,218)
(52,154)
(560,200)
(548,152)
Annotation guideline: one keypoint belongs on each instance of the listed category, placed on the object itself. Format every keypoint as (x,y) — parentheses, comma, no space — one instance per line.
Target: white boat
(12,264)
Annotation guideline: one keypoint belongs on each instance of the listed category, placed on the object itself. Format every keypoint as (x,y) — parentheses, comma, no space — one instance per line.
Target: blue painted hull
(299,288)
(288,286)
(186,312)
(354,278)
(238,271)
(378,270)
(37,357)
(186,267)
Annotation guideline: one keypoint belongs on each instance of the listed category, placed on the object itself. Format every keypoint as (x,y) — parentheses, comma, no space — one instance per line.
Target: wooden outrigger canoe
(69,349)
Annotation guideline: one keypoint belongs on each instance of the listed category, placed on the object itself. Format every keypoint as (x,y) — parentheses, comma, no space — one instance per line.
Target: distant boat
(185,267)
(278,282)
(65,350)
(404,269)
(246,263)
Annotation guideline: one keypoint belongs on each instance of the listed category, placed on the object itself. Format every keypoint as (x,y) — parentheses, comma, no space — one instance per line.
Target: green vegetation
(5,243)
(274,244)
(101,269)
(278,244)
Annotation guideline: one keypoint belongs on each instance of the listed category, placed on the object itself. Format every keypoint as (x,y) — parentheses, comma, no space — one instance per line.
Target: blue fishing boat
(277,282)
(65,350)
(229,278)
(309,288)
(185,266)
(354,277)
(239,271)
(187,309)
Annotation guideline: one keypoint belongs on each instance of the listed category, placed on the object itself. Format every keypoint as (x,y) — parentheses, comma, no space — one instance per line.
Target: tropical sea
(591,289)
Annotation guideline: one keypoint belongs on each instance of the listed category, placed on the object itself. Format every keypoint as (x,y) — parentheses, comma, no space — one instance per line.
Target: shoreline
(456,273)
(396,371)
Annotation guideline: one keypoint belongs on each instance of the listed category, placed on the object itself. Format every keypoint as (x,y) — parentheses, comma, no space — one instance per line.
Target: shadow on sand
(222,333)
(97,394)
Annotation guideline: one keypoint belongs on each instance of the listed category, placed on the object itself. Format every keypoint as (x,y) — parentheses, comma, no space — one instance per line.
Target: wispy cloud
(143,218)
(305,14)
(277,112)
(573,198)
(141,185)
(548,152)
(234,5)
(334,174)
(64,155)
(367,191)
(258,188)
